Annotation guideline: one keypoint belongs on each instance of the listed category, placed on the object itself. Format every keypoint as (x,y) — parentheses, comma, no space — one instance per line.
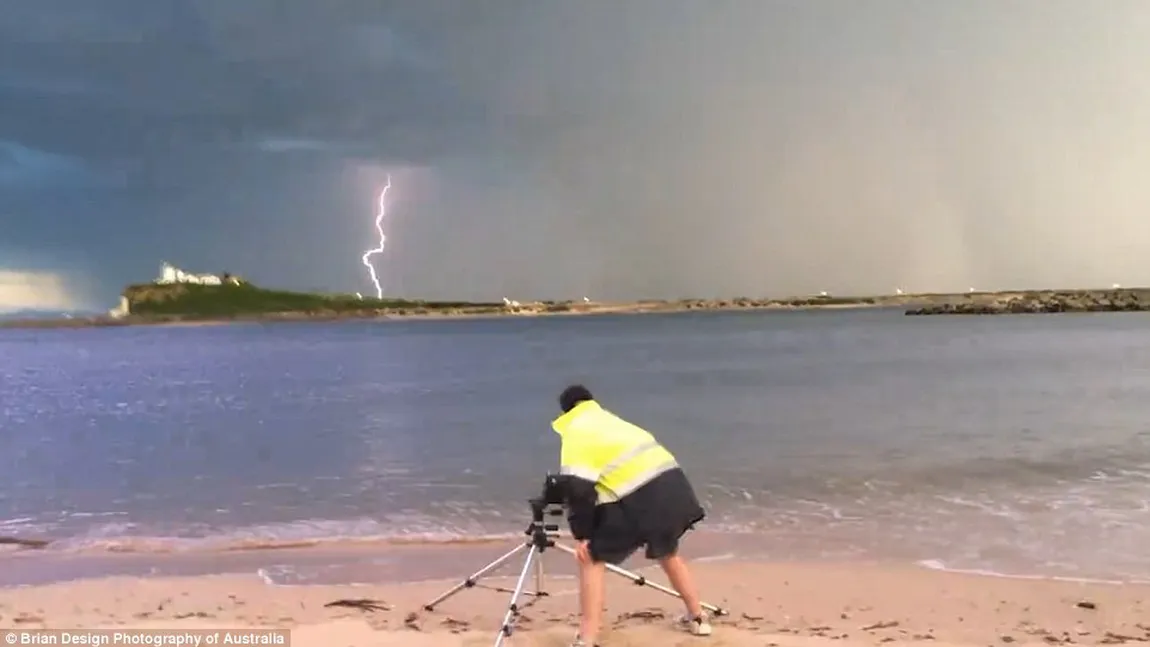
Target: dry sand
(782,605)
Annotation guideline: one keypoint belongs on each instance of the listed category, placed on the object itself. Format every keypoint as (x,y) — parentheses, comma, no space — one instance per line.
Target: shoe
(700,625)
(579,642)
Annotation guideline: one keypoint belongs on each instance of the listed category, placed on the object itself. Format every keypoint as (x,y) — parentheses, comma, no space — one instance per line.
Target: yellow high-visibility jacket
(606,460)
(617,456)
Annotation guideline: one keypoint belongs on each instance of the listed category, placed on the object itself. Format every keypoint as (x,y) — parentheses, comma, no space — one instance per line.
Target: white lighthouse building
(171,274)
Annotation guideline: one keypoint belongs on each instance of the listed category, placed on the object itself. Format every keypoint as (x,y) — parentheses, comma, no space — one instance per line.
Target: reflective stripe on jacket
(615,455)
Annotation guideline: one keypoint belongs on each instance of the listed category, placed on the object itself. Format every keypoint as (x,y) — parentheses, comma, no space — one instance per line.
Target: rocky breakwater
(1040,302)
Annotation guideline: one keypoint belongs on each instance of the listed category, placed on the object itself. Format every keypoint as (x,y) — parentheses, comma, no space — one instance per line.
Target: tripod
(541,536)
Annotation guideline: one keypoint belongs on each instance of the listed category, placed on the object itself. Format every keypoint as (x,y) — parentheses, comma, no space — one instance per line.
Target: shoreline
(350,560)
(637,308)
(1005,302)
(782,604)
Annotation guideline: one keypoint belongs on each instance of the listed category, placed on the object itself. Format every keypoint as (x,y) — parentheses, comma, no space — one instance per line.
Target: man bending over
(624,491)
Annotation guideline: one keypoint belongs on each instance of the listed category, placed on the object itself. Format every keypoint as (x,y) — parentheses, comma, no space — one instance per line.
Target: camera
(548,504)
(554,490)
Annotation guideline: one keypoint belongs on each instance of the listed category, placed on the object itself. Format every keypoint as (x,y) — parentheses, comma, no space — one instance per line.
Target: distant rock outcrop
(1041,302)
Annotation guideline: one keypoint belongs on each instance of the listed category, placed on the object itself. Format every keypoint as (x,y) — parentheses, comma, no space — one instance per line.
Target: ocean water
(1007,444)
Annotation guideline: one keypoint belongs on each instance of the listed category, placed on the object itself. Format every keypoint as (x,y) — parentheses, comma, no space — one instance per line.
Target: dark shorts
(655,517)
(616,547)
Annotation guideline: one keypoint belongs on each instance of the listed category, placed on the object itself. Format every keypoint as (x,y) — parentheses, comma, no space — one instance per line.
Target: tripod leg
(470,581)
(539,576)
(513,605)
(643,581)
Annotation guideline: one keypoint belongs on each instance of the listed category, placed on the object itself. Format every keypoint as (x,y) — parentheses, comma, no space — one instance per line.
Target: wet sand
(303,563)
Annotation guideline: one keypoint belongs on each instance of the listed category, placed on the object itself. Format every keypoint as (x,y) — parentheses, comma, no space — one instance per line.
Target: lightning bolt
(382,239)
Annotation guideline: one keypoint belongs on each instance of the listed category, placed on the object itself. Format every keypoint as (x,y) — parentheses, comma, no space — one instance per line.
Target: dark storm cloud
(548,148)
(23,168)
(148,76)
(204,108)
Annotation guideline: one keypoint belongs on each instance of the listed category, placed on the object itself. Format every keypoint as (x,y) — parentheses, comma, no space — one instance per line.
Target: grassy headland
(190,302)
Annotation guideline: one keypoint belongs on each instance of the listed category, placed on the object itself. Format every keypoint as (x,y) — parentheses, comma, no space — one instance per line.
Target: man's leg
(591,594)
(676,569)
(609,545)
(666,551)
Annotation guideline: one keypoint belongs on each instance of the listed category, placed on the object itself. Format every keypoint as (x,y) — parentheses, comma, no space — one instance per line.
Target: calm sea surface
(1013,444)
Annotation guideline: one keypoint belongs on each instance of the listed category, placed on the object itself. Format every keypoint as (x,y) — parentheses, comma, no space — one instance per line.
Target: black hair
(572,396)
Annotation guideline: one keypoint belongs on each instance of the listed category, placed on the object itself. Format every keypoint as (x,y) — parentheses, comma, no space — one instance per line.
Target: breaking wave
(123,538)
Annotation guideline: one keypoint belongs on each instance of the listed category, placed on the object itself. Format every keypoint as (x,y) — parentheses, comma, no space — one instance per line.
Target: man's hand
(583,552)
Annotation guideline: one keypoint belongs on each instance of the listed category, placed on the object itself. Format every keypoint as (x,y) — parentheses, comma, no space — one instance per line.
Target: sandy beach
(778,605)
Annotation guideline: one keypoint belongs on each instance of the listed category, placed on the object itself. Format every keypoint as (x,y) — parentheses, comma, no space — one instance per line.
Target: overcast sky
(555,149)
